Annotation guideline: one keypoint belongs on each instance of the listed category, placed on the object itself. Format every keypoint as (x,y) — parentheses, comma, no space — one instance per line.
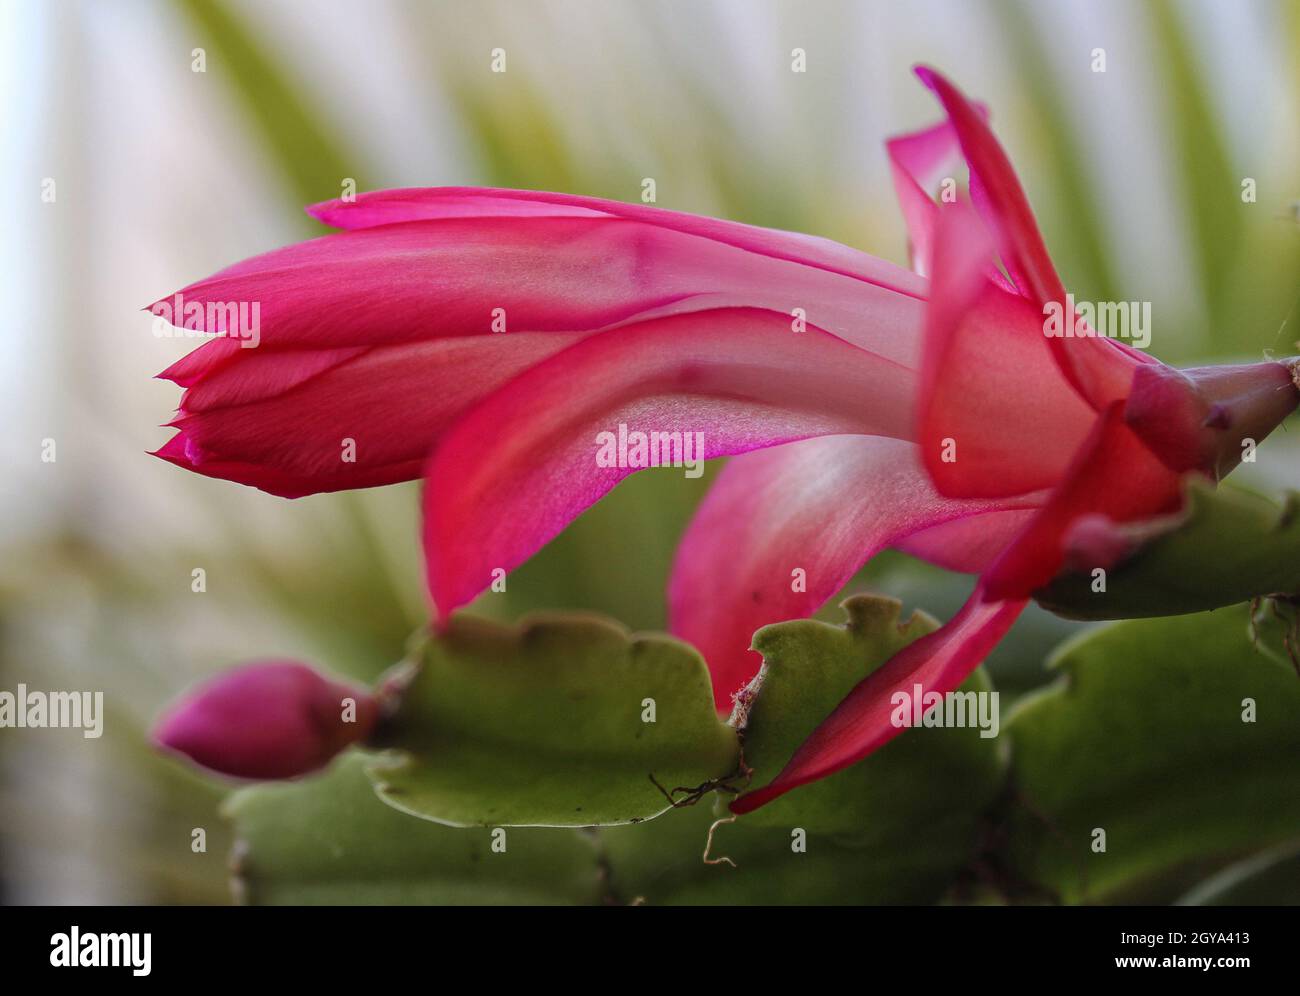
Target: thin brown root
(1290,633)
(708,843)
(690,794)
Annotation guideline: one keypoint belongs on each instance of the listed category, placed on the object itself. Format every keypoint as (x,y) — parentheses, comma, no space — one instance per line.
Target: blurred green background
(165,175)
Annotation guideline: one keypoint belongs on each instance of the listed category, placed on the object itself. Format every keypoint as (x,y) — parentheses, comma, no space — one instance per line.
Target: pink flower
(271,719)
(486,339)
(1136,429)
(376,362)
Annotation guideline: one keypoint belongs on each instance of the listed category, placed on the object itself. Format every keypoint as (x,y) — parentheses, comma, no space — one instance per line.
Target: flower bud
(269,719)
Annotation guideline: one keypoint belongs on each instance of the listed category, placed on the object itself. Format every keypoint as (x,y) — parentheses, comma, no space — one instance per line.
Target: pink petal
(384,207)
(390,402)
(996,415)
(1099,368)
(821,506)
(1114,475)
(207,357)
(382,335)
(861,723)
(523,464)
(1114,479)
(1019,240)
(919,162)
(250,376)
(427,279)
(179,451)
(970,545)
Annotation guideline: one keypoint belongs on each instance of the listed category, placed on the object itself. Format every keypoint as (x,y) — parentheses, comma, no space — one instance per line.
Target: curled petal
(919,162)
(523,464)
(1099,369)
(863,721)
(783,529)
(996,189)
(916,162)
(996,416)
(1114,474)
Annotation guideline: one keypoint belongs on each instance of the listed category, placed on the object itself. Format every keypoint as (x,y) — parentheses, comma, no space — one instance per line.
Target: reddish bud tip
(270,719)
(1198,419)
(1094,541)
